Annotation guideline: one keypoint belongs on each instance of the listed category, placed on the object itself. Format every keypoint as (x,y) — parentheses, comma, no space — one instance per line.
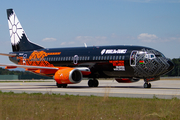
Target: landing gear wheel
(64,85)
(61,85)
(93,83)
(147,85)
(90,83)
(96,83)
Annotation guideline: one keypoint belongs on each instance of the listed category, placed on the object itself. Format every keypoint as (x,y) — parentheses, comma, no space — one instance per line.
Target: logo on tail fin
(15,28)
(18,37)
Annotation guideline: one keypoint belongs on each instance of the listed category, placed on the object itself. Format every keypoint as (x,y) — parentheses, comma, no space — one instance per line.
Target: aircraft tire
(90,83)
(58,85)
(96,83)
(147,85)
(64,85)
(93,83)
(61,85)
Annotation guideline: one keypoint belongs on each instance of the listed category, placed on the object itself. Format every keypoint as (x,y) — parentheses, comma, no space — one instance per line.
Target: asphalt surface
(166,89)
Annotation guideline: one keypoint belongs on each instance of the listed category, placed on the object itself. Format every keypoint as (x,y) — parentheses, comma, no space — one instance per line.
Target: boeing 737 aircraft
(69,65)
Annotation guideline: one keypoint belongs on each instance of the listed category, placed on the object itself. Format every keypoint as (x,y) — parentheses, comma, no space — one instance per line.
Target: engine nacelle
(68,76)
(126,80)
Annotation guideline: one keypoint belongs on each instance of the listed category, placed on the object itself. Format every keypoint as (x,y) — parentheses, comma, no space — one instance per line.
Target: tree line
(22,74)
(176,70)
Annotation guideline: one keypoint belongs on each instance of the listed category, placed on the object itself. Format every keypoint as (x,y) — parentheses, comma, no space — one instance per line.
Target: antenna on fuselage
(85,45)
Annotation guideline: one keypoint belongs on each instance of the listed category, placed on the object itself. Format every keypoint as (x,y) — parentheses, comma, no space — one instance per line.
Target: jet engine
(68,76)
(126,80)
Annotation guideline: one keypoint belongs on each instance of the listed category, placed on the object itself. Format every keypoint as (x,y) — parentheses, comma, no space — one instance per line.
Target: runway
(166,89)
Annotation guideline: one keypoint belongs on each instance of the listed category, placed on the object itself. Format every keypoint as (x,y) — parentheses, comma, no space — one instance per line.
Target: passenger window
(104,57)
(116,57)
(110,57)
(101,57)
(119,57)
(107,57)
(123,57)
(93,57)
(96,57)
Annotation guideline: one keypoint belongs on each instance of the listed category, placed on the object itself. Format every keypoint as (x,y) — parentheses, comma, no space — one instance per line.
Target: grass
(39,106)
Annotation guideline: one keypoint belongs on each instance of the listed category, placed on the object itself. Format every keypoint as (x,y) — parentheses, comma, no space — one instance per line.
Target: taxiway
(166,89)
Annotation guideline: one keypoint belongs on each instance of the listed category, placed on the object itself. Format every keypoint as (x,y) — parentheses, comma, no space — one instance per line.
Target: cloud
(113,35)
(152,38)
(49,39)
(97,40)
(174,39)
(67,43)
(145,37)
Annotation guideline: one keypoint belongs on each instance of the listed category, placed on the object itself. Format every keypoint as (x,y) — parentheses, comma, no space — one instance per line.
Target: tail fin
(19,40)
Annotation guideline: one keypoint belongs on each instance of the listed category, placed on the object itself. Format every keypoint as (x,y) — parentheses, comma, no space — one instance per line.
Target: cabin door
(133,58)
(75,60)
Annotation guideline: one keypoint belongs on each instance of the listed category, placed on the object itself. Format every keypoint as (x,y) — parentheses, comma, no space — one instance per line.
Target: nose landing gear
(147,85)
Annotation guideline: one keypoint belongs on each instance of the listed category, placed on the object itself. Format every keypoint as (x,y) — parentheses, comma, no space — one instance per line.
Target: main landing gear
(93,83)
(146,84)
(61,85)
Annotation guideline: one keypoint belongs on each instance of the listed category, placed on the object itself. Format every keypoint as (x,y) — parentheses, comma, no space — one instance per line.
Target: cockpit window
(160,55)
(150,56)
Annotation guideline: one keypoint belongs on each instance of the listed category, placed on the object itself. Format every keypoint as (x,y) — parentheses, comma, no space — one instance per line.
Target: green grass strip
(38,106)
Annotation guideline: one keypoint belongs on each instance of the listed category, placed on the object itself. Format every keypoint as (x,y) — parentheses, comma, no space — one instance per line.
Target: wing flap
(11,66)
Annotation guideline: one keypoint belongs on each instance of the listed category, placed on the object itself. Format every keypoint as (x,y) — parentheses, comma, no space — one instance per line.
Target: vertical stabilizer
(19,40)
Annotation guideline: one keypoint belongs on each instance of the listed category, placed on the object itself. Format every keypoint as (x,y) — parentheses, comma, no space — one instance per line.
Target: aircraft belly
(128,72)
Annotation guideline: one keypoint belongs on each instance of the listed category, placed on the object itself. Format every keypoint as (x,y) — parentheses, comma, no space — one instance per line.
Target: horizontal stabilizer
(10,55)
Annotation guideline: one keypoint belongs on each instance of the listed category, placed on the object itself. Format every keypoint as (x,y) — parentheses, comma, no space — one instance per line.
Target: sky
(71,23)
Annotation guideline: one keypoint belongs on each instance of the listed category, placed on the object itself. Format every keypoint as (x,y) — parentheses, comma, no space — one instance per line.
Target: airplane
(70,65)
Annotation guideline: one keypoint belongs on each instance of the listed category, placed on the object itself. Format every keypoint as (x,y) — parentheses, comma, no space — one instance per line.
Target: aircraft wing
(44,70)
(12,66)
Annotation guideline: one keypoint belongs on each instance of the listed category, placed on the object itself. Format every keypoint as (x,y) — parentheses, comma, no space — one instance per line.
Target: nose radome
(171,65)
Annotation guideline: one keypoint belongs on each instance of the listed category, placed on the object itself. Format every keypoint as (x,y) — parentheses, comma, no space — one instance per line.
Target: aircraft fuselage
(103,61)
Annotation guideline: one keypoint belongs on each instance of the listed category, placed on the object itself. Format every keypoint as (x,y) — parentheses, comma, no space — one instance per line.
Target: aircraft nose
(171,65)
